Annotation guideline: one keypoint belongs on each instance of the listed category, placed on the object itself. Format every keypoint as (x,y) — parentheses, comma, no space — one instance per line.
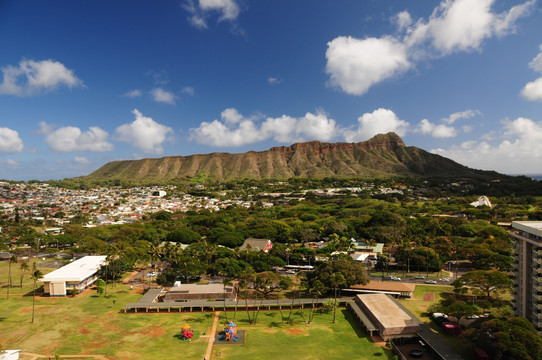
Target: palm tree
(154,253)
(226,282)
(36,275)
(337,280)
(24,267)
(12,260)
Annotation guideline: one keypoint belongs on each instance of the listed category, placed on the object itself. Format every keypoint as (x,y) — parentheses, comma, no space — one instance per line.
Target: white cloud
(133,93)
(189,90)
(445,130)
(437,131)
(71,138)
(462,25)
(10,142)
(163,96)
(402,19)
(81,160)
(44,128)
(533,90)
(32,77)
(518,148)
(234,129)
(200,10)
(274,80)
(536,64)
(467,114)
(355,65)
(144,133)
(380,121)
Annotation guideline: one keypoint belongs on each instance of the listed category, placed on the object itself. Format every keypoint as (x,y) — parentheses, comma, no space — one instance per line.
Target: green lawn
(92,324)
(270,339)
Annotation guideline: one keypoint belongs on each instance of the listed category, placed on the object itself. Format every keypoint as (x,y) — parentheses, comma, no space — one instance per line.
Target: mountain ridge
(384,155)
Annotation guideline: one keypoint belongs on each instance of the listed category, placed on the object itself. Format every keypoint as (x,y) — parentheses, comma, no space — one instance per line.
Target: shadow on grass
(355,324)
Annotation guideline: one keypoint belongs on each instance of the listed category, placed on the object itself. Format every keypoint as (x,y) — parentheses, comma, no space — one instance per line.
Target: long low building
(381,313)
(200,292)
(396,289)
(77,275)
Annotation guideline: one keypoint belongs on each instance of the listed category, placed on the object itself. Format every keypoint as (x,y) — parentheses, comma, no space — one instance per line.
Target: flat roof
(532,227)
(386,311)
(386,286)
(76,271)
(200,288)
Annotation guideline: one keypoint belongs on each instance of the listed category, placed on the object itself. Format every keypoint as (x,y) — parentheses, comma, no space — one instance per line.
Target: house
(200,292)
(77,275)
(371,250)
(257,245)
(361,257)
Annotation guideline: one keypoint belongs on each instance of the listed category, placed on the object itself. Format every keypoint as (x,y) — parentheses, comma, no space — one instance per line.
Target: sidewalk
(212,337)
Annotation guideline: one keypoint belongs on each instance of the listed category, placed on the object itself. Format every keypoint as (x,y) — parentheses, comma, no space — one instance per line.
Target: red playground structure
(187,333)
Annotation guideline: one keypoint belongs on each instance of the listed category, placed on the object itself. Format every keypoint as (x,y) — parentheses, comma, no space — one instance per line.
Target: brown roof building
(200,292)
(389,318)
(396,289)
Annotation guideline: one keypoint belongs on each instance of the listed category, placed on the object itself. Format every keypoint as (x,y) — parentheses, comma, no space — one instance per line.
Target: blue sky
(83,83)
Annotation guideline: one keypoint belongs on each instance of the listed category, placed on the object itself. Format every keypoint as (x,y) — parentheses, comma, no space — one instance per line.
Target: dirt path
(39,356)
(212,337)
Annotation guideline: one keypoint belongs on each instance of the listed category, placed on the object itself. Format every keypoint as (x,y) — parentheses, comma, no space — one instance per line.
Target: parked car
(430,282)
(444,279)
(395,278)
(420,277)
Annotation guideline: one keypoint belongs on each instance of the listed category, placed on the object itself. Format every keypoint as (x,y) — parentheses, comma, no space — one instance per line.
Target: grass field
(320,340)
(92,324)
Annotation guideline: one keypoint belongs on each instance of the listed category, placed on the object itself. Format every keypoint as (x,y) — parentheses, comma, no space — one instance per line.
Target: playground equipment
(187,333)
(230,333)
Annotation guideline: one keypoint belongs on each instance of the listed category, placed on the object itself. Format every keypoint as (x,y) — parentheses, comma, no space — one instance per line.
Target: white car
(444,279)
(430,282)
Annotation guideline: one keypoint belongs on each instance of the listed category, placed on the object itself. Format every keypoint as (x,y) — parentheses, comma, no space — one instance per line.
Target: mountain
(384,155)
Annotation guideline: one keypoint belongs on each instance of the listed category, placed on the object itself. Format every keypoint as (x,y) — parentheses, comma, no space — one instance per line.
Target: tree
(12,260)
(337,273)
(36,275)
(266,283)
(24,268)
(100,286)
(315,288)
(484,283)
(514,338)
(456,309)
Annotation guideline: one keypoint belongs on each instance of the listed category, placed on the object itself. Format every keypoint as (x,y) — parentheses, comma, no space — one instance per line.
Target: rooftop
(77,270)
(386,286)
(200,288)
(532,227)
(386,311)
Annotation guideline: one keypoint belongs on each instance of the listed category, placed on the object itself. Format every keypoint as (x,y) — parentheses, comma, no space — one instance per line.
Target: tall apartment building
(527,293)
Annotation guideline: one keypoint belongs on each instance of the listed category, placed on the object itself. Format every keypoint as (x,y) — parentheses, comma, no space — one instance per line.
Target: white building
(77,275)
(9,354)
(527,274)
